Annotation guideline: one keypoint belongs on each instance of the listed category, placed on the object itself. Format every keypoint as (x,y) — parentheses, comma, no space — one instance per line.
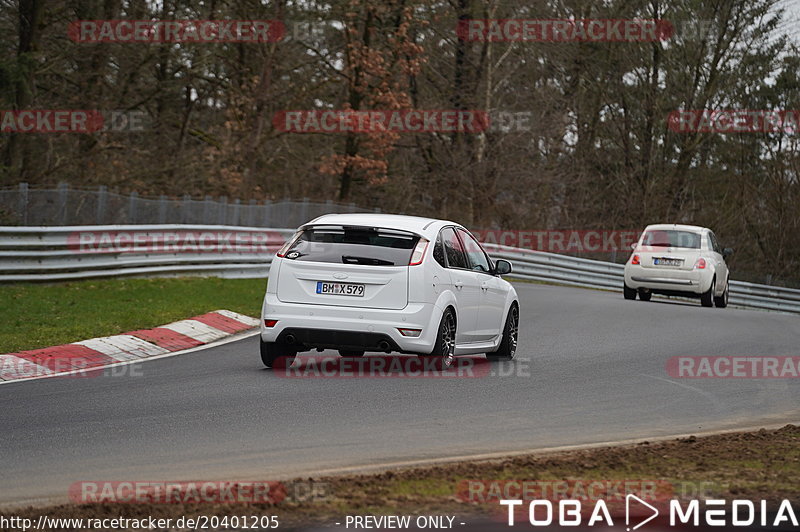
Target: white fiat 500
(386,283)
(679,260)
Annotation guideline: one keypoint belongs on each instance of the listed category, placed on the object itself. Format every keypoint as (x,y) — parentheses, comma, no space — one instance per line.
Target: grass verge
(43,315)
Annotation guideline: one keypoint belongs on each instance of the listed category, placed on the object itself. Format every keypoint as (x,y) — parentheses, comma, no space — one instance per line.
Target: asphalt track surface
(591,368)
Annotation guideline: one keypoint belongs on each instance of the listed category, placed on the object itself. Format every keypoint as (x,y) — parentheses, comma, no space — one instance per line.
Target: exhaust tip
(383,345)
(290,339)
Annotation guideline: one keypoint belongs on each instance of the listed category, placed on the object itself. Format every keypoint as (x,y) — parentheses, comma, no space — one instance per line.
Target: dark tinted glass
(354,245)
(475,255)
(453,249)
(438,252)
(671,238)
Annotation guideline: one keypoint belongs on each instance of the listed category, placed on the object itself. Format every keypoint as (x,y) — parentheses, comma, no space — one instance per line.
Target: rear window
(354,245)
(671,238)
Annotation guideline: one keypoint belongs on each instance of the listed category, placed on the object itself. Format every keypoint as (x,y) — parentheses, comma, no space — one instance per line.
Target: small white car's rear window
(671,238)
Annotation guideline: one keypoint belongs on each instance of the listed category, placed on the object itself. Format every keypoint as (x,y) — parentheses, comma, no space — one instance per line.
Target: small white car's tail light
(270,323)
(700,264)
(635,259)
(419,253)
(411,333)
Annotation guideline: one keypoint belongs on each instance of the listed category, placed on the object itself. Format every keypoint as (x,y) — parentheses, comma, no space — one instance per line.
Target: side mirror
(727,252)
(502,267)
(633,246)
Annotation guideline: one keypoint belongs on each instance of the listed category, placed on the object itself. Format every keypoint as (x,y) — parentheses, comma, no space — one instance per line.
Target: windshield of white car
(671,238)
(354,245)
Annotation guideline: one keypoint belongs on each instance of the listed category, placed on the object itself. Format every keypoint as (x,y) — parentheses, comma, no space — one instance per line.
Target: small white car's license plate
(667,262)
(340,289)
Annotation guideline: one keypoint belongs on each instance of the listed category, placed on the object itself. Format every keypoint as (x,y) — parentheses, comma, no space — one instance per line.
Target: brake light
(635,259)
(419,252)
(270,323)
(287,245)
(412,333)
(700,264)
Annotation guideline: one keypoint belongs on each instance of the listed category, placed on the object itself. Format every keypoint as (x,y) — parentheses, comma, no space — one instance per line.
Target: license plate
(340,289)
(667,262)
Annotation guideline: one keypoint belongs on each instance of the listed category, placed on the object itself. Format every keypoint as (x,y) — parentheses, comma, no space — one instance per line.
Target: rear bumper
(332,327)
(663,280)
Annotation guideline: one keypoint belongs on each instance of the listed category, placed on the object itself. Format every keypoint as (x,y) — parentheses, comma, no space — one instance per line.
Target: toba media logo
(709,512)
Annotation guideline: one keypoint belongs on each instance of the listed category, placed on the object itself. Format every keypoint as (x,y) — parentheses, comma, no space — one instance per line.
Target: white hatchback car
(679,260)
(387,283)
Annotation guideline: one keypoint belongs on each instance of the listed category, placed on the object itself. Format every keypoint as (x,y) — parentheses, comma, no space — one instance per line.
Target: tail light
(635,259)
(287,245)
(412,333)
(419,252)
(700,264)
(270,323)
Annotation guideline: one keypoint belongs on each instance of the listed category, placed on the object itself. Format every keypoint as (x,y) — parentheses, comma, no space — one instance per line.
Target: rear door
(347,266)
(466,286)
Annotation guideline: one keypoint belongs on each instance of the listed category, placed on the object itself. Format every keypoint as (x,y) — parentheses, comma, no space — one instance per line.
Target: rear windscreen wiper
(351,259)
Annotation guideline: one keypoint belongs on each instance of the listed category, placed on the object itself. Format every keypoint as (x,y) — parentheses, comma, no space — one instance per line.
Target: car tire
(722,301)
(628,293)
(508,345)
(350,353)
(707,298)
(645,295)
(443,352)
(276,355)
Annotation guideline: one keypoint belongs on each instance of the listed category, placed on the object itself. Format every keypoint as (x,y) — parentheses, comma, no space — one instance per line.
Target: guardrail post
(102,200)
(63,195)
(162,209)
(133,201)
(251,213)
(223,210)
(236,208)
(303,211)
(206,209)
(267,213)
(187,206)
(23,203)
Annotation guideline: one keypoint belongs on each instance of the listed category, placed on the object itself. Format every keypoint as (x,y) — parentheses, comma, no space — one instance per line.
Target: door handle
(458,284)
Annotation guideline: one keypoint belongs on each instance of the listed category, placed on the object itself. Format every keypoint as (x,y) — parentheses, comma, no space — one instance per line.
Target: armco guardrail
(64,253)
(78,252)
(573,271)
